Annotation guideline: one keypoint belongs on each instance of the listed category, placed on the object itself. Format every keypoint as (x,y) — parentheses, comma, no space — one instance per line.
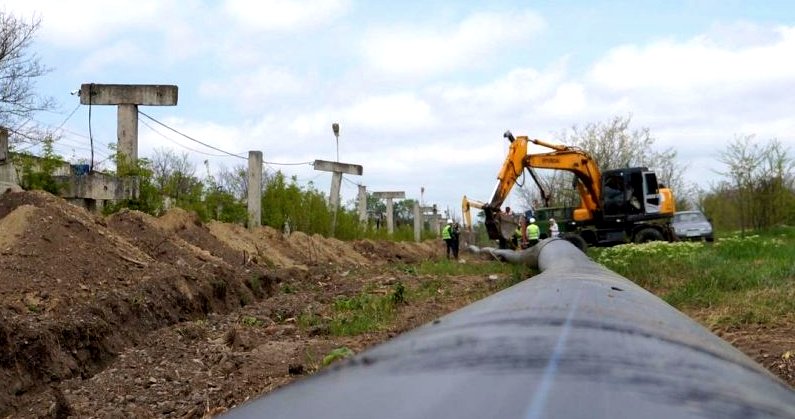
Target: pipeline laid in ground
(575,341)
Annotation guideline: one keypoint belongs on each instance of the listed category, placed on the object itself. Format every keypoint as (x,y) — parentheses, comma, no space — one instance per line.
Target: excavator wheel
(577,240)
(648,234)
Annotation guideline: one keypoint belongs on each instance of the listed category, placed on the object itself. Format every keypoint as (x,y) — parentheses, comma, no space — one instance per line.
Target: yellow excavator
(616,206)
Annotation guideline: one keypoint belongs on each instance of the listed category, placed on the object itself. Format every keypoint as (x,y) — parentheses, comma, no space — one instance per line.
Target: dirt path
(137,316)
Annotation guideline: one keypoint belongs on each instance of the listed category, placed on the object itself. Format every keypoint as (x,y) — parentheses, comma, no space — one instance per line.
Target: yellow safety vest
(533,232)
(446,232)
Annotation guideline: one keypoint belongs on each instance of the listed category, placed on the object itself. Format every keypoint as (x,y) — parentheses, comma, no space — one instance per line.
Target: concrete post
(128,97)
(338,169)
(254,189)
(127,132)
(363,204)
(3,144)
(334,199)
(390,216)
(417,222)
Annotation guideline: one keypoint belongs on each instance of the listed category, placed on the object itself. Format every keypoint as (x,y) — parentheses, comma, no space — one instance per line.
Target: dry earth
(136,316)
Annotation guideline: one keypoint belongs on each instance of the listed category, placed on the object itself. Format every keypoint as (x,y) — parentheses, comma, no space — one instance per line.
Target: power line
(68,117)
(191,138)
(177,143)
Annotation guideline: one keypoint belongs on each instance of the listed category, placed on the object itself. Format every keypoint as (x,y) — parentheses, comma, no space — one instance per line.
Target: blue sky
(423,90)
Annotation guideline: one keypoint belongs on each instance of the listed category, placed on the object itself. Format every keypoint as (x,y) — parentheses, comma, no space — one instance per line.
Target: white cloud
(395,113)
(696,64)
(88,22)
(569,99)
(411,50)
(284,15)
(254,89)
(118,54)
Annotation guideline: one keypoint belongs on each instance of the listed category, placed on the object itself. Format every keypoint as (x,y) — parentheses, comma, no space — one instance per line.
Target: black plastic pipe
(575,341)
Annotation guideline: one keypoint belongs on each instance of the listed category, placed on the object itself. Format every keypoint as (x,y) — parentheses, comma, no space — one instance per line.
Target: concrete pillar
(390,216)
(363,204)
(254,189)
(127,132)
(128,97)
(338,169)
(3,144)
(334,199)
(417,222)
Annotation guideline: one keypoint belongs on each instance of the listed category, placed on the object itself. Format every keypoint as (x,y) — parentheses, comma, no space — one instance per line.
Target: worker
(517,237)
(533,232)
(455,234)
(554,231)
(447,236)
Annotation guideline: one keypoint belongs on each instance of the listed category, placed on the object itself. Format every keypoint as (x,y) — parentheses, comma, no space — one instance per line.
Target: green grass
(372,310)
(736,280)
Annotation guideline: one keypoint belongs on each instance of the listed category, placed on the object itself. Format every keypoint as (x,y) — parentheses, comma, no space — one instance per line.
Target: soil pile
(137,304)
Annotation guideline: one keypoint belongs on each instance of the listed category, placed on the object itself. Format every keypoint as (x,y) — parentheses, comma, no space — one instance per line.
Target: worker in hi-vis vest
(447,236)
(533,232)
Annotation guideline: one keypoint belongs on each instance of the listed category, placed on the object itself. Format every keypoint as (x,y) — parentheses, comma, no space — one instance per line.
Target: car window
(689,217)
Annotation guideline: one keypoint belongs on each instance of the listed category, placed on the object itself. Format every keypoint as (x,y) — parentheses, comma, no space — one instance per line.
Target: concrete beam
(390,195)
(330,166)
(131,94)
(97,187)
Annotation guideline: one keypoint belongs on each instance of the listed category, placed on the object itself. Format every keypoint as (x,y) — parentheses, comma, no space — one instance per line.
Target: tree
(612,144)
(175,175)
(758,191)
(19,69)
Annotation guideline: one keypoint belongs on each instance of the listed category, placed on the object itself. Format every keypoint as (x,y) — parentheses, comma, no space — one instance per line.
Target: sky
(422,90)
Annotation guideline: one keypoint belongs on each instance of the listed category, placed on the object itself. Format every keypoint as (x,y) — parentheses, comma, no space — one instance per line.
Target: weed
(336,354)
(251,321)
(398,295)
(287,288)
(255,284)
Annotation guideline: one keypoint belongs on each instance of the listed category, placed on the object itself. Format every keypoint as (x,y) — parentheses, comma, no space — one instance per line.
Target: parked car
(692,225)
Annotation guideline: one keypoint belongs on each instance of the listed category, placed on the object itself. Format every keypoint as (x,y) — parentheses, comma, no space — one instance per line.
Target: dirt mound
(75,288)
(262,246)
(398,251)
(14,224)
(80,291)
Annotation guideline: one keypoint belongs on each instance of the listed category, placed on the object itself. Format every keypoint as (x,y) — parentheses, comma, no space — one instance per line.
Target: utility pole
(336,180)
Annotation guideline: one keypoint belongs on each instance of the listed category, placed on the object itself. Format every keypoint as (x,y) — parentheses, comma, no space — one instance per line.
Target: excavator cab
(632,193)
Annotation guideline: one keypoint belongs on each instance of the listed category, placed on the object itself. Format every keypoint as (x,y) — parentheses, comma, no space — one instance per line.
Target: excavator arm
(466,206)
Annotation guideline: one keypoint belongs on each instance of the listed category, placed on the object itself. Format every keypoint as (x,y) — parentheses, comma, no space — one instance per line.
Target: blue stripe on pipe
(551,370)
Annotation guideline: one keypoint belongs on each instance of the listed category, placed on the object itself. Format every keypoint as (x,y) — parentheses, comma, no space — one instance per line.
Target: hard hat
(532,220)
(551,219)
(449,221)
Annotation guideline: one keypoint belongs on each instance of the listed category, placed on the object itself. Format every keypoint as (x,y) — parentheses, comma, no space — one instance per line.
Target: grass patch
(737,280)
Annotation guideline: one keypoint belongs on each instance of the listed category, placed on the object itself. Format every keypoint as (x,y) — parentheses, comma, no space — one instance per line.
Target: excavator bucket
(500,226)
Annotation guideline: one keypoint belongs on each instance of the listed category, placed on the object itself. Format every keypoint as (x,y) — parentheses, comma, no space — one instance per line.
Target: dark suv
(692,225)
